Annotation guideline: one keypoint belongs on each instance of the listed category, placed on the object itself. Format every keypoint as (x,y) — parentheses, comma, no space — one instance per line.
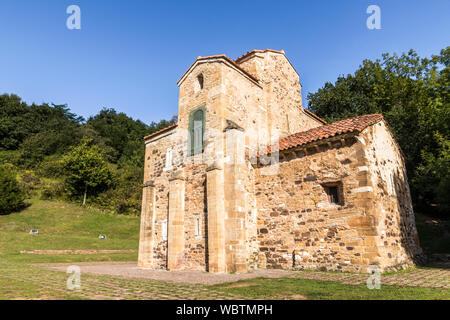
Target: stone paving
(46,282)
(420,277)
(130,270)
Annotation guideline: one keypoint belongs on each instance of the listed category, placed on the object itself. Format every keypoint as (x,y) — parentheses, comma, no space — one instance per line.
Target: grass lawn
(64,226)
(288,288)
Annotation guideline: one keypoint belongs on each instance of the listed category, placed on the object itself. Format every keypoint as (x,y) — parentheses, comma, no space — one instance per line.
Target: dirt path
(130,270)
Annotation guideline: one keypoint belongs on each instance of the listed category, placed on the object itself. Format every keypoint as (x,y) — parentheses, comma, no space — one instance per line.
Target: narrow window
(196,130)
(333,195)
(198,227)
(333,192)
(164,230)
(168,159)
(200,81)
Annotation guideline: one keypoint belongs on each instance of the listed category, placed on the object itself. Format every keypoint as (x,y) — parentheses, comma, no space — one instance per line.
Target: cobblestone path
(420,277)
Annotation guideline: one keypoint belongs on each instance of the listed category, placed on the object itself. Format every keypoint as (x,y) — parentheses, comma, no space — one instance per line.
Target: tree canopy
(12,196)
(86,169)
(413,95)
(39,137)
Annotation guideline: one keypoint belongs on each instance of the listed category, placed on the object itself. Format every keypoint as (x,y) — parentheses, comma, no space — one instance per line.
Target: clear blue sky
(130,54)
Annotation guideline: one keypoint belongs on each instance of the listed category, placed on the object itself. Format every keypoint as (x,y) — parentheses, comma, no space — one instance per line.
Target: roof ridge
(312,114)
(248,53)
(161,131)
(223,56)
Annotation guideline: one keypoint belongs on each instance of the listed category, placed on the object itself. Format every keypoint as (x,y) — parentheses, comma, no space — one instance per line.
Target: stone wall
(298,226)
(398,239)
(282,93)
(194,253)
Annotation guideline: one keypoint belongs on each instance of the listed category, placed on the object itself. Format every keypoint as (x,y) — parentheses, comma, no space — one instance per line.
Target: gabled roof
(257,51)
(337,128)
(154,134)
(249,53)
(225,59)
(314,115)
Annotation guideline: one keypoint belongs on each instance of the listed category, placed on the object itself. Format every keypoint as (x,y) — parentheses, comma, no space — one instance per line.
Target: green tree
(86,169)
(18,121)
(11,195)
(121,133)
(124,135)
(413,95)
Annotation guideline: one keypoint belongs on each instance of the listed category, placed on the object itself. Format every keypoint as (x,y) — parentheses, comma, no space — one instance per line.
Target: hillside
(66,226)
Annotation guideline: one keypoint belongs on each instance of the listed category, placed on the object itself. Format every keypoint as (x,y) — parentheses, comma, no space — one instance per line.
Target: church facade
(247,178)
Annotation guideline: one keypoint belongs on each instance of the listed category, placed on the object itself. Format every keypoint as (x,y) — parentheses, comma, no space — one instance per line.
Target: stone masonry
(249,179)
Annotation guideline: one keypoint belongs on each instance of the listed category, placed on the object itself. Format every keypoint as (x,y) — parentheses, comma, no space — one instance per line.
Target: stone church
(248,178)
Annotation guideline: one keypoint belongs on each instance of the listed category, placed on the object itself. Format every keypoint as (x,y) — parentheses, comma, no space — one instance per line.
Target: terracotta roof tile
(161,131)
(357,124)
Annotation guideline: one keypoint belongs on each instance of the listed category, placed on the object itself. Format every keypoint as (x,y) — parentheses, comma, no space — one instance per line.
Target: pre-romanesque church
(248,178)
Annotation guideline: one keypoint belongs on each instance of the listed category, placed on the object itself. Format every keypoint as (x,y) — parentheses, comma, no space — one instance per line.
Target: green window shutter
(196,131)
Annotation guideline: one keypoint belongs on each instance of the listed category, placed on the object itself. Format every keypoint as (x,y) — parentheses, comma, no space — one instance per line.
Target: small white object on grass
(102,236)
(34,231)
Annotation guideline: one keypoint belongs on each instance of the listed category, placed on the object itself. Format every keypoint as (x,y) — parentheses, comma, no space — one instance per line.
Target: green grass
(288,288)
(64,226)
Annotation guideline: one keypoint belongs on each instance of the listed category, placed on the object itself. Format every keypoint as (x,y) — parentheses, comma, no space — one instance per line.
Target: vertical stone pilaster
(216,218)
(235,200)
(147,226)
(175,245)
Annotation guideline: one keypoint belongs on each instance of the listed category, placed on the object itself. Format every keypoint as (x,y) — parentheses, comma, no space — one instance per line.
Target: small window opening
(196,131)
(200,81)
(333,193)
(164,230)
(169,160)
(198,227)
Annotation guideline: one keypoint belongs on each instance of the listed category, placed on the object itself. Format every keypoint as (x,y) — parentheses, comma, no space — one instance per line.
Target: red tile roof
(161,131)
(357,125)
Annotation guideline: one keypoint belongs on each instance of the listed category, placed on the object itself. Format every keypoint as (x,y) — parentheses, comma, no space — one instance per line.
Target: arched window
(198,85)
(196,130)
(200,81)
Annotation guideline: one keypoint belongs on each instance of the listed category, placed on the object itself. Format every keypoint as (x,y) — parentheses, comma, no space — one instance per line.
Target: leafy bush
(29,182)
(53,190)
(10,157)
(125,194)
(11,195)
(51,167)
(87,170)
